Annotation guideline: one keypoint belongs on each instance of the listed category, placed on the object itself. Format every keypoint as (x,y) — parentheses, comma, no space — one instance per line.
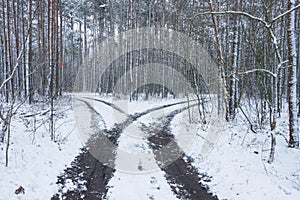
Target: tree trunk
(17,51)
(235,51)
(56,33)
(292,79)
(9,50)
(30,54)
(223,84)
(52,48)
(6,70)
(8,140)
(24,47)
(61,63)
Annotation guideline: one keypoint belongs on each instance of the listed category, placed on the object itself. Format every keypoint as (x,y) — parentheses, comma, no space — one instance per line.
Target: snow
(233,157)
(138,176)
(238,173)
(140,186)
(34,160)
(238,162)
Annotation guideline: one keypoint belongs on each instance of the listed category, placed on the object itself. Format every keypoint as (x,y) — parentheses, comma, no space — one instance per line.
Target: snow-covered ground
(234,157)
(34,160)
(138,176)
(238,163)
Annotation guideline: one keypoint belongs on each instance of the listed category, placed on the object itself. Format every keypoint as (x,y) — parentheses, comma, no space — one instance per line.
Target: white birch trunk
(234,70)
(292,81)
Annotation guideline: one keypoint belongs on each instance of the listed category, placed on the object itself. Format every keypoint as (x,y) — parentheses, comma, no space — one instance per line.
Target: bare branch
(267,24)
(14,70)
(285,13)
(19,57)
(233,13)
(260,70)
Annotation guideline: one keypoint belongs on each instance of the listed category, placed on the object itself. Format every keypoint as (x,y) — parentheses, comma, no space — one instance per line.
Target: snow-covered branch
(267,24)
(233,13)
(285,13)
(20,55)
(15,67)
(12,73)
(258,70)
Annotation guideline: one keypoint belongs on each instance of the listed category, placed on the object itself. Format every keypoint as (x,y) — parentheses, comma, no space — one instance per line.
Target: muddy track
(88,176)
(137,115)
(182,176)
(98,115)
(107,103)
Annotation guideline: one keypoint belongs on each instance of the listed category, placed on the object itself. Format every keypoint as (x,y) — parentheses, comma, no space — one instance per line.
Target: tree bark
(29,77)
(6,70)
(223,84)
(292,80)
(235,51)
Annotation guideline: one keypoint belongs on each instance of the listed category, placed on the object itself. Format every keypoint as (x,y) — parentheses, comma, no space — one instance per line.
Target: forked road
(89,178)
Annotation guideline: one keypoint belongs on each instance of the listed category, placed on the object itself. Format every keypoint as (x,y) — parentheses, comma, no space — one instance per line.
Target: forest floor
(108,148)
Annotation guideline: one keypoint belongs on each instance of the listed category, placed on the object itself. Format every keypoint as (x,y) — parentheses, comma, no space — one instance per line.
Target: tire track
(107,103)
(87,176)
(182,176)
(137,115)
(99,116)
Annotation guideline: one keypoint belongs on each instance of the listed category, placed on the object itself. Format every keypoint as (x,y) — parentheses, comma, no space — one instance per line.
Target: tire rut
(183,178)
(87,176)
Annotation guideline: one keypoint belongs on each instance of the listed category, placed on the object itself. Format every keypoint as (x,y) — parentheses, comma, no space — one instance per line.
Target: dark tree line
(32,50)
(255,45)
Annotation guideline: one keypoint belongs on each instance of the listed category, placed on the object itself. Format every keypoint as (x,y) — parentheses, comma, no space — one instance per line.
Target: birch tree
(268,25)
(233,85)
(292,79)
(223,83)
